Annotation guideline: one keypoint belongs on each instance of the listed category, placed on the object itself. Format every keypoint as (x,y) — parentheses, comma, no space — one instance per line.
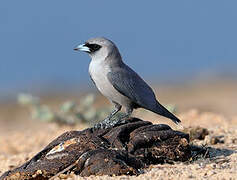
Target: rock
(217,140)
(124,149)
(197,133)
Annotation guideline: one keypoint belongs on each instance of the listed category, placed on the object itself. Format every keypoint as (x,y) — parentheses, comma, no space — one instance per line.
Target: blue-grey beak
(82,47)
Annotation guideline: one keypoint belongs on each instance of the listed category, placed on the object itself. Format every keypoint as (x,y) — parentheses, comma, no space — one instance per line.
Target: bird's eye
(93,47)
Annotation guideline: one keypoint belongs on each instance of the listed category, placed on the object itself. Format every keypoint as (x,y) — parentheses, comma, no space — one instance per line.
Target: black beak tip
(76,49)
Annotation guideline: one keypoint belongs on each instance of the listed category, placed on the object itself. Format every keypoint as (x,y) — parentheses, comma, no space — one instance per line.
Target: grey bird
(118,82)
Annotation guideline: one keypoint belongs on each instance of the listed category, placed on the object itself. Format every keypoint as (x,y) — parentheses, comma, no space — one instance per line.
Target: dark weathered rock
(123,149)
(197,133)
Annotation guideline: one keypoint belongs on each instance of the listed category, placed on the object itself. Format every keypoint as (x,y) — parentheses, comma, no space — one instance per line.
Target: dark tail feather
(161,110)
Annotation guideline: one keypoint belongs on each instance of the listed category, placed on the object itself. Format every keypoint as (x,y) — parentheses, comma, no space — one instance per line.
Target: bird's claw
(108,123)
(103,124)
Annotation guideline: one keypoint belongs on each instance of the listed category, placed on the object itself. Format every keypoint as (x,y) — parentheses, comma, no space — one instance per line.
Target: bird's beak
(82,47)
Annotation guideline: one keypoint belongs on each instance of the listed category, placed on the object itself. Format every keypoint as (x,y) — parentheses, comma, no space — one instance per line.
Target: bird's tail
(161,110)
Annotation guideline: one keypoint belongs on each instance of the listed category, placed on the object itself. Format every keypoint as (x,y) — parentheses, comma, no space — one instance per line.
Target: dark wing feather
(128,83)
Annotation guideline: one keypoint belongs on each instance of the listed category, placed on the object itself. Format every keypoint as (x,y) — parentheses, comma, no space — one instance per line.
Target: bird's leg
(122,120)
(129,111)
(117,109)
(106,123)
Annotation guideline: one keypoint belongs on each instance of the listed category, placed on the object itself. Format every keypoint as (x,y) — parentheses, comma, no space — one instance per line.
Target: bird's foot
(109,123)
(103,124)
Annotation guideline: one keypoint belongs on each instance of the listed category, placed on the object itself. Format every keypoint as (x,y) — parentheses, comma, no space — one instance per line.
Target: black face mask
(93,47)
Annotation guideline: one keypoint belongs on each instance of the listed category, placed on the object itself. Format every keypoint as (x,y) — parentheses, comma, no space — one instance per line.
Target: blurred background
(185,49)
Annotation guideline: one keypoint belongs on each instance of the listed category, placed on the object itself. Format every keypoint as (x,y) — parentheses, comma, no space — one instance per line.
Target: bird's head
(98,48)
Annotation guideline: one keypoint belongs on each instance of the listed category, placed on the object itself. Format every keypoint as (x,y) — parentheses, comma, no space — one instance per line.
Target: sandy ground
(211,106)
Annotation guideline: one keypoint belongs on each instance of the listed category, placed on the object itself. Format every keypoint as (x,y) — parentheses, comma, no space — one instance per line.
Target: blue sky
(161,40)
